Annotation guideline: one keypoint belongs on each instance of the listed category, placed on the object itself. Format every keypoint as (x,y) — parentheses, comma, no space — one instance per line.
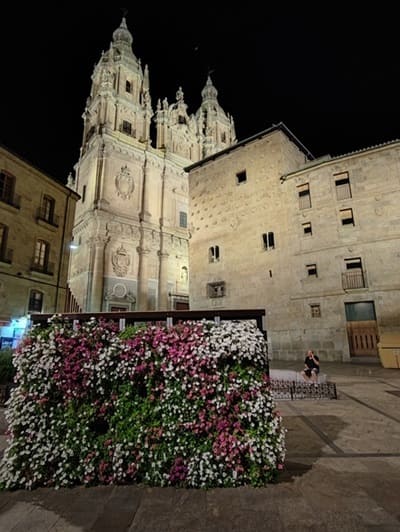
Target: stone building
(314,242)
(131,222)
(36,220)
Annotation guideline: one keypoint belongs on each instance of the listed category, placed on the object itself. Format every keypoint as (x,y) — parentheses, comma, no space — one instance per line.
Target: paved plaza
(342,474)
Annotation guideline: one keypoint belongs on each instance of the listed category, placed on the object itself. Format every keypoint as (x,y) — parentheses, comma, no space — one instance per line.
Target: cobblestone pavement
(342,473)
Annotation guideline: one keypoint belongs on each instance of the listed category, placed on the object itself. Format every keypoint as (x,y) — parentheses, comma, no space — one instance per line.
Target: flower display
(188,405)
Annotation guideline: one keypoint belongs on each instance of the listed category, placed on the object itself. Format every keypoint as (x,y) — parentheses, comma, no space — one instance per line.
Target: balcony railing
(354,279)
(47,269)
(44,216)
(12,199)
(6,255)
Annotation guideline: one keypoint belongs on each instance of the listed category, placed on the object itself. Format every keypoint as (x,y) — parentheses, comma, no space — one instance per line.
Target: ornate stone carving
(120,261)
(124,183)
(119,291)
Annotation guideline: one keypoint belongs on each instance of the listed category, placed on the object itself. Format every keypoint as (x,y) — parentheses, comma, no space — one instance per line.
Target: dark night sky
(331,77)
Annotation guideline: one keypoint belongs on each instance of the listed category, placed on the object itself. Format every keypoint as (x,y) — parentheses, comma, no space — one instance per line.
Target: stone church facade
(314,242)
(131,224)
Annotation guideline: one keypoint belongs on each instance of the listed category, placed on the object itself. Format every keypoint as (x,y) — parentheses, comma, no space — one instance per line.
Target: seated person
(311,367)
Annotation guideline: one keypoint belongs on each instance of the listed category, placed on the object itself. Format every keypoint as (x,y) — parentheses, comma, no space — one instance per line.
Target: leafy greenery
(188,405)
(7,369)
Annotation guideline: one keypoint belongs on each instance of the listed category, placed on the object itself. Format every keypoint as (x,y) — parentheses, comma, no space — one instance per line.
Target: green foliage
(7,369)
(130,331)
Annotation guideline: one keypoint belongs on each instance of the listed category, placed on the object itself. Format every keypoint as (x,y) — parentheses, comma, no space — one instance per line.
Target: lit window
(268,240)
(346,216)
(304,196)
(41,256)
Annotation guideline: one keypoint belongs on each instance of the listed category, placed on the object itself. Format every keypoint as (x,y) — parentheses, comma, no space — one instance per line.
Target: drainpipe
(61,251)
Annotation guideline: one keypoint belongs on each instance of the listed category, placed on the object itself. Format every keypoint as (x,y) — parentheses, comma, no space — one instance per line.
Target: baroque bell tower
(131,221)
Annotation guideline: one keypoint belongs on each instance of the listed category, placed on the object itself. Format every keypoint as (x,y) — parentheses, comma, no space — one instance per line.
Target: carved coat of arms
(124,183)
(120,261)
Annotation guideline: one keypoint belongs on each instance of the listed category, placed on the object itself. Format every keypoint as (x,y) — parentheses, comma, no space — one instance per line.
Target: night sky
(331,76)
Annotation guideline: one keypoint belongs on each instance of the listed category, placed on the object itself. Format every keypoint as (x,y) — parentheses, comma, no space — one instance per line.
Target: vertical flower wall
(188,406)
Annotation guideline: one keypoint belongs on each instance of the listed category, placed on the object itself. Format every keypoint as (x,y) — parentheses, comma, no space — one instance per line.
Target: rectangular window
(304,196)
(83,193)
(5,254)
(307,229)
(46,210)
(128,86)
(312,270)
(41,256)
(40,253)
(216,289)
(241,177)
(213,254)
(315,311)
(346,216)
(126,127)
(7,184)
(182,219)
(268,240)
(35,301)
(342,185)
(353,277)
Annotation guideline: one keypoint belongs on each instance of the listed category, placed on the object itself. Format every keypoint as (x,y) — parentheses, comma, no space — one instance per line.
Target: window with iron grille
(216,289)
(304,196)
(315,311)
(213,254)
(354,276)
(268,240)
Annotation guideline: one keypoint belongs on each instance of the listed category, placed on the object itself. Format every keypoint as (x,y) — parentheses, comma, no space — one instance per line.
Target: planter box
(389,350)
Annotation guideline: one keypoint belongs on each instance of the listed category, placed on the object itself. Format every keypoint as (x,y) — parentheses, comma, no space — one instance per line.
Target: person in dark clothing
(311,367)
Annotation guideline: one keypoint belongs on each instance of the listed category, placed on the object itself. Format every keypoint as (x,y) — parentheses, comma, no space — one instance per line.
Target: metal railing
(354,279)
(169,317)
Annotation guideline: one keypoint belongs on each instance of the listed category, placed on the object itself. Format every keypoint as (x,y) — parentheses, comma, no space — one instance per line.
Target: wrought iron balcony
(354,279)
(6,255)
(47,268)
(11,199)
(45,216)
